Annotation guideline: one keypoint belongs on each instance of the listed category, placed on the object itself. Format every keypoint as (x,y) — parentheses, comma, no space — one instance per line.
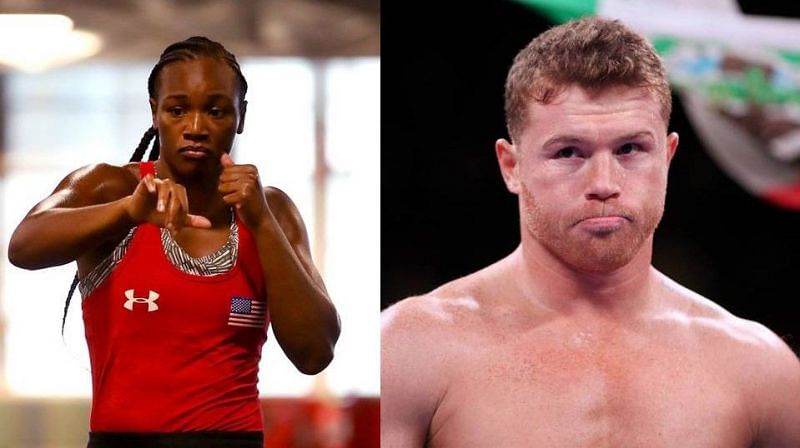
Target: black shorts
(204,439)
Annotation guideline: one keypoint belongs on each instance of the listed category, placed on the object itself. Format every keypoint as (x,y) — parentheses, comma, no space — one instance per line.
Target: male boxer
(574,339)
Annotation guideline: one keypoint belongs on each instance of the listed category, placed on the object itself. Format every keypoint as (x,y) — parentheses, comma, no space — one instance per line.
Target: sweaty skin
(574,339)
(93,208)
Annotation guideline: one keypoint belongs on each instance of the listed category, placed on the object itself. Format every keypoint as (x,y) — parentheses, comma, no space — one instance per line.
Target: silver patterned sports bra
(219,262)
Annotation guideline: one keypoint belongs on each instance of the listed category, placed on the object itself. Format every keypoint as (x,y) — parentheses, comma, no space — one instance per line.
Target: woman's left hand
(241,188)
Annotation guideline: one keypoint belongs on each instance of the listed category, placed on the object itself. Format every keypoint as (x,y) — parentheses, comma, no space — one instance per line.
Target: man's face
(197,113)
(591,173)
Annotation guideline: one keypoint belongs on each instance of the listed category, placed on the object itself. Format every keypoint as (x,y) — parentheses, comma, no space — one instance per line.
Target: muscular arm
(84,212)
(412,376)
(303,317)
(779,400)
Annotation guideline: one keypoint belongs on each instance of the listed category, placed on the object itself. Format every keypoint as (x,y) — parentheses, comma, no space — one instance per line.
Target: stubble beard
(583,251)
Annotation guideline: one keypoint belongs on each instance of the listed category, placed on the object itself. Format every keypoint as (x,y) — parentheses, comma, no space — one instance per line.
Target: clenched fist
(241,188)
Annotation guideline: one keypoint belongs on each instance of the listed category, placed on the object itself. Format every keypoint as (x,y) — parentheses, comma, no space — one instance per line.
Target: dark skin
(197,113)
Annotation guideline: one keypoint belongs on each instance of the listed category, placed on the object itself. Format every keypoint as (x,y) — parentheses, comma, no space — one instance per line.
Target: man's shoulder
(480,305)
(754,346)
(424,345)
(760,362)
(425,340)
(449,306)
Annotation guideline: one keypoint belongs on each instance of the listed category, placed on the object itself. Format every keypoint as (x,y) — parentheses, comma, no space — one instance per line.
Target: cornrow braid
(189,49)
(155,150)
(69,298)
(193,48)
(138,153)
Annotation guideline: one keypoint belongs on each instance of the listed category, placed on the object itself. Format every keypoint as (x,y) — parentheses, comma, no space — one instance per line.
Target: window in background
(68,118)
(351,231)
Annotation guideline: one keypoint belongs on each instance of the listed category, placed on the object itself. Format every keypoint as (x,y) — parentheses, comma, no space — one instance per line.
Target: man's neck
(624,292)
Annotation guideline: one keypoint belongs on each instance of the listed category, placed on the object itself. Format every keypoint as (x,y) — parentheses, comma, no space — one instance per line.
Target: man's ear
(508,159)
(672,146)
(242,112)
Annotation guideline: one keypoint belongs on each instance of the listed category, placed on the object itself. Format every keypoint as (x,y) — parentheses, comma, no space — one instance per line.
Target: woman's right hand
(164,203)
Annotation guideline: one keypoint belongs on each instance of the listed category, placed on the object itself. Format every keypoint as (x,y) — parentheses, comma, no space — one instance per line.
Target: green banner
(561,11)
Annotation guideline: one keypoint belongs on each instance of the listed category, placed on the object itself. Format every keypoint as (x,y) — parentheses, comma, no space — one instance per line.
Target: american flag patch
(247,313)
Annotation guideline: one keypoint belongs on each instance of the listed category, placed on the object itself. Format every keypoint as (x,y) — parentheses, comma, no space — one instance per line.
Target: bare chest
(202,242)
(573,389)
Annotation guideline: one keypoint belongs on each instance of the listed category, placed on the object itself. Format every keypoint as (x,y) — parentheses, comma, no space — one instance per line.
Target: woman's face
(197,114)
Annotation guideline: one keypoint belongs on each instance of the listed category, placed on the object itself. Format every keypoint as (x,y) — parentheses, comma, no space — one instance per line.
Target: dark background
(446,212)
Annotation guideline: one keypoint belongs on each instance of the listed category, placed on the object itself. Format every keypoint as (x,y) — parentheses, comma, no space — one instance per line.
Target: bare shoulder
(278,198)
(286,212)
(444,313)
(757,352)
(281,204)
(439,321)
(422,348)
(112,182)
(92,184)
(751,357)
(474,307)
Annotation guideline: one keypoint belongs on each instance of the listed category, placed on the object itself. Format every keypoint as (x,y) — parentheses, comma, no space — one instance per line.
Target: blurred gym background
(73,92)
(731,230)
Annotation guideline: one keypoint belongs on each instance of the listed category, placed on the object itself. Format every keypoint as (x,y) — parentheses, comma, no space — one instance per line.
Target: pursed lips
(603,218)
(195,149)
(195,152)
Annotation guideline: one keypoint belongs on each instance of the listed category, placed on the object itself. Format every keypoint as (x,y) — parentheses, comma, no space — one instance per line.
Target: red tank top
(175,352)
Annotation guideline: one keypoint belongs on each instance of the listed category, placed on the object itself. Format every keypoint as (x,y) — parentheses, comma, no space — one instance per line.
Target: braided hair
(185,50)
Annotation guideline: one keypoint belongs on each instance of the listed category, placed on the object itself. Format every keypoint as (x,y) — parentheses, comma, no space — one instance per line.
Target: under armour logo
(150,300)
